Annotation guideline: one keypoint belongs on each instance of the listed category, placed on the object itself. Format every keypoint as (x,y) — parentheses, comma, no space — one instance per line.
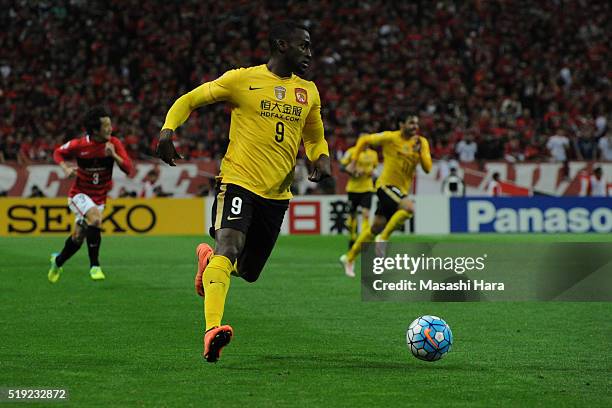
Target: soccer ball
(429,338)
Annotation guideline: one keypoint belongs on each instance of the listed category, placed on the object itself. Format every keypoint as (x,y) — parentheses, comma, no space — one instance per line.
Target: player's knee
(378,226)
(377,229)
(94,218)
(229,243)
(407,205)
(230,250)
(96,223)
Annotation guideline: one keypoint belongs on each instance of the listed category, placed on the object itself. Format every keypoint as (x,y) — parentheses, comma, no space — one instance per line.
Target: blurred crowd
(501,80)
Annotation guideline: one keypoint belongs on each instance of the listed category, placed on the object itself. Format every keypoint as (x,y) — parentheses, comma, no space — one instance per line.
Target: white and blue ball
(429,338)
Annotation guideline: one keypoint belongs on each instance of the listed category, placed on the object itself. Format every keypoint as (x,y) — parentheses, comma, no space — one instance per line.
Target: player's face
(411,125)
(298,52)
(106,128)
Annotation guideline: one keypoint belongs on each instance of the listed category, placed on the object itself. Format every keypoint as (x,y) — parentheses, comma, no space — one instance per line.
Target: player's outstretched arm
(176,116)
(209,92)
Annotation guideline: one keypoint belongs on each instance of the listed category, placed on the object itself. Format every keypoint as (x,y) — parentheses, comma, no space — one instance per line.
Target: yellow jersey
(366,163)
(400,160)
(270,118)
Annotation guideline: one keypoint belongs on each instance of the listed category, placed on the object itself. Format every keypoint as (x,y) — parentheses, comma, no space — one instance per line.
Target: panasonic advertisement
(531,214)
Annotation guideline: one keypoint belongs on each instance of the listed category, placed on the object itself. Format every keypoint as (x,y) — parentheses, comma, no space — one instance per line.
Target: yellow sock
(366,235)
(216,284)
(365,224)
(353,227)
(396,220)
(349,221)
(235,269)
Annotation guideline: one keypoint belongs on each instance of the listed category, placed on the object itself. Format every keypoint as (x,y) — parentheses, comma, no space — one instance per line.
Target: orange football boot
(214,341)
(203,252)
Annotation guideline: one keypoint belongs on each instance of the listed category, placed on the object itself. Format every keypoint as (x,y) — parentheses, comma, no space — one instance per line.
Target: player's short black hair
(401,113)
(282,30)
(410,114)
(92,118)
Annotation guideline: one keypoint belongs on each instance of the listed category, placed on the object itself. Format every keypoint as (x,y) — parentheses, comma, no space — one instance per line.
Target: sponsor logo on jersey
(301,96)
(282,111)
(280,92)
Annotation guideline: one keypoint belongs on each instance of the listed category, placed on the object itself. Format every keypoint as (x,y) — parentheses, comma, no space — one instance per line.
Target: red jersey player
(95,155)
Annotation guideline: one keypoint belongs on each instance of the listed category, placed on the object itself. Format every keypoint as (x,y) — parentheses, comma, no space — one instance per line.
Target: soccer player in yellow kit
(360,188)
(273,111)
(403,151)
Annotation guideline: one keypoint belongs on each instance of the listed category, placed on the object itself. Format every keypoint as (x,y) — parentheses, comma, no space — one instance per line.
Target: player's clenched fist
(69,171)
(165,148)
(109,149)
(321,169)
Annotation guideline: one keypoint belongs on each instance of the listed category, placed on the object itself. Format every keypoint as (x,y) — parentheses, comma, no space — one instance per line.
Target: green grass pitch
(302,337)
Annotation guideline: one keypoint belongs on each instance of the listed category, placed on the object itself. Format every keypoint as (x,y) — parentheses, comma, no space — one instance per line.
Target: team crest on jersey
(301,96)
(280,92)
